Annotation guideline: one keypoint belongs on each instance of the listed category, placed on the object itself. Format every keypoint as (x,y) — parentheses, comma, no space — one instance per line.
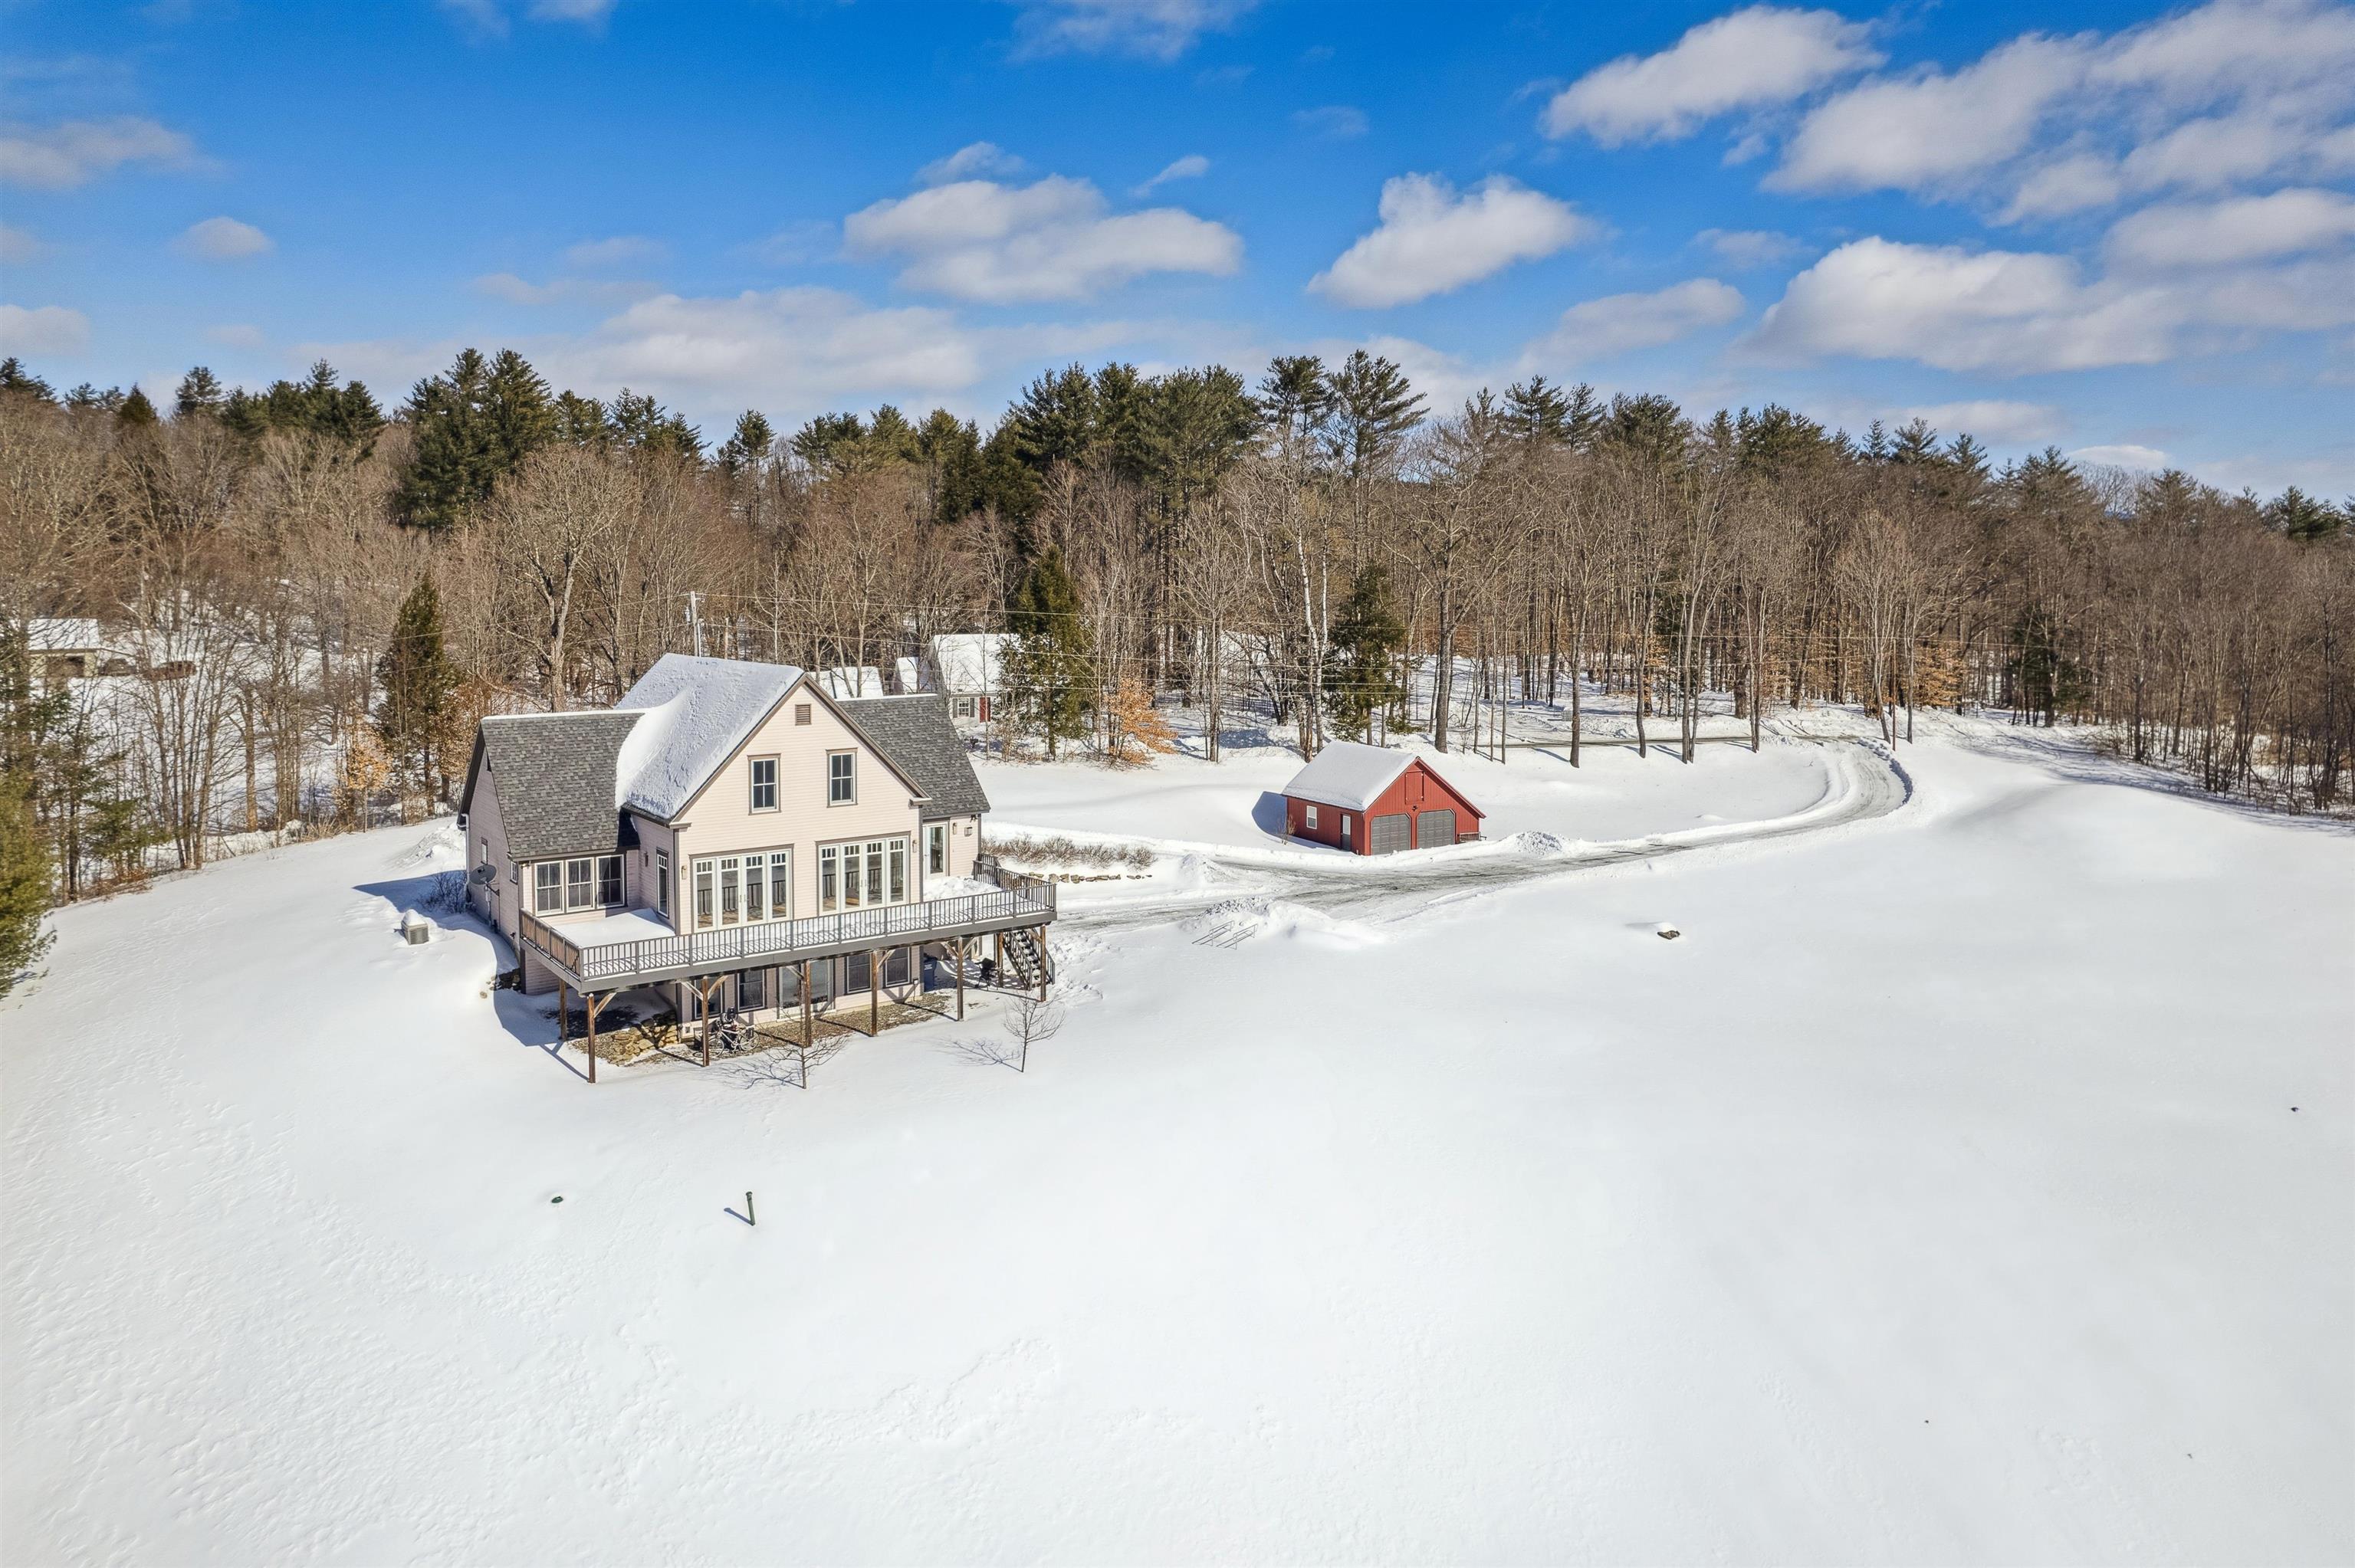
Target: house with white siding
(735,839)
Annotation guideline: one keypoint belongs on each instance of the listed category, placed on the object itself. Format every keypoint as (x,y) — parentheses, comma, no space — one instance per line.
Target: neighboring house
(852,680)
(1369,799)
(737,838)
(909,672)
(968,668)
(66,648)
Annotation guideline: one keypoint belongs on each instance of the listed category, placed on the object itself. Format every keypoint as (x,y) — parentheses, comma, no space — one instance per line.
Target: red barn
(1370,799)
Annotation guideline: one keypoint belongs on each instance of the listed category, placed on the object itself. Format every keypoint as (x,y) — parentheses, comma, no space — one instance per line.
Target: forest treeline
(312,597)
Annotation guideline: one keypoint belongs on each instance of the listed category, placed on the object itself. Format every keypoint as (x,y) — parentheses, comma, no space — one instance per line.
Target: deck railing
(784,942)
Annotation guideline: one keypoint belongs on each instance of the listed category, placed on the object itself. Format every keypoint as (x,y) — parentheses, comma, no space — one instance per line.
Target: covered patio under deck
(601,958)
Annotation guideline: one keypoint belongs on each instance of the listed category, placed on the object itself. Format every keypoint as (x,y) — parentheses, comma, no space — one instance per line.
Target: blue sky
(2124,230)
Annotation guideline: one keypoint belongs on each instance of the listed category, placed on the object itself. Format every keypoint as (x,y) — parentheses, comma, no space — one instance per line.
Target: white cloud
(1764,55)
(620,250)
(19,246)
(1192,166)
(1152,29)
(489,17)
(1432,239)
(1597,329)
(517,291)
(2243,228)
(2070,185)
(975,161)
(2231,92)
(1333,121)
(2014,313)
(237,335)
(1959,309)
(42,329)
(222,240)
(75,151)
(1990,420)
(2148,458)
(1748,247)
(589,12)
(1918,131)
(1054,239)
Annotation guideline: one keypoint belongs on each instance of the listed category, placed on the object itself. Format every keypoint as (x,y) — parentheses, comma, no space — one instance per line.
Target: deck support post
(704,995)
(808,1026)
(593,1002)
(874,992)
(997,954)
(1039,940)
(563,1018)
(960,967)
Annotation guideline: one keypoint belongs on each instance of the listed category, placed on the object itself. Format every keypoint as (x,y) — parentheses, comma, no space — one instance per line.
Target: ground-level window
(1344,830)
(1310,820)
(936,849)
(961,707)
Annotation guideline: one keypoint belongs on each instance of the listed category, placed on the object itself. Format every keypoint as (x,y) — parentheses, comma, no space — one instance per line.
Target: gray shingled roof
(914,732)
(554,774)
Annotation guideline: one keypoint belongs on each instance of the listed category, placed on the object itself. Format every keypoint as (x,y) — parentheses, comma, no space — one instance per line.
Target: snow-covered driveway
(1976,1185)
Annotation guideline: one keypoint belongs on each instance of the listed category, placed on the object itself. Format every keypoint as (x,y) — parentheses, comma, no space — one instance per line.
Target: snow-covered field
(1937,1197)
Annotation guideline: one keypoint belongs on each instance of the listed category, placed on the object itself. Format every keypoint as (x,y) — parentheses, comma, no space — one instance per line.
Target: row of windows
(591,882)
(841,780)
(740,889)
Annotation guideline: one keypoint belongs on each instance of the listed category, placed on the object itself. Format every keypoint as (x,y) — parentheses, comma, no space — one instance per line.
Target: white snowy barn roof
(53,634)
(969,660)
(699,711)
(910,670)
(847,681)
(1351,776)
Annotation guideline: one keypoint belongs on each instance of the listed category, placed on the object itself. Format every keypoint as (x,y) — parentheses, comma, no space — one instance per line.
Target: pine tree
(15,378)
(200,393)
(748,445)
(418,684)
(1538,412)
(1373,408)
(474,426)
(1367,636)
(25,884)
(136,410)
(1050,671)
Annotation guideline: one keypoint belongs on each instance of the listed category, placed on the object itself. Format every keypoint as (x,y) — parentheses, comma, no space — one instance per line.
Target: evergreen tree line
(310,600)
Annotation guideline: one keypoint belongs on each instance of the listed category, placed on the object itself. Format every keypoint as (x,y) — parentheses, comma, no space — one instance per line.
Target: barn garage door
(1434,830)
(1387,835)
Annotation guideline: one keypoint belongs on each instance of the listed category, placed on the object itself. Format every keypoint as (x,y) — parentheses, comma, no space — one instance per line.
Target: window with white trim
(862,874)
(588,882)
(765,783)
(1310,820)
(743,889)
(661,881)
(841,781)
(936,849)
(961,707)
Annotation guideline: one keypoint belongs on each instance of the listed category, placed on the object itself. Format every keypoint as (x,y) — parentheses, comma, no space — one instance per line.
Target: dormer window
(765,783)
(840,787)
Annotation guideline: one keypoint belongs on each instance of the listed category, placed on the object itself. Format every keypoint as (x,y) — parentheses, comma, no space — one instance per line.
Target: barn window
(1310,819)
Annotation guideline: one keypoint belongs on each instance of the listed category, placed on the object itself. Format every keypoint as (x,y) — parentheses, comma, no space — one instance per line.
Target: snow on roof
(1349,776)
(910,669)
(969,660)
(852,680)
(699,711)
(58,633)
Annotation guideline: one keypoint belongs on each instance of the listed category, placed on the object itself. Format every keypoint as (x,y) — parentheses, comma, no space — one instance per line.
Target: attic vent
(801,712)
